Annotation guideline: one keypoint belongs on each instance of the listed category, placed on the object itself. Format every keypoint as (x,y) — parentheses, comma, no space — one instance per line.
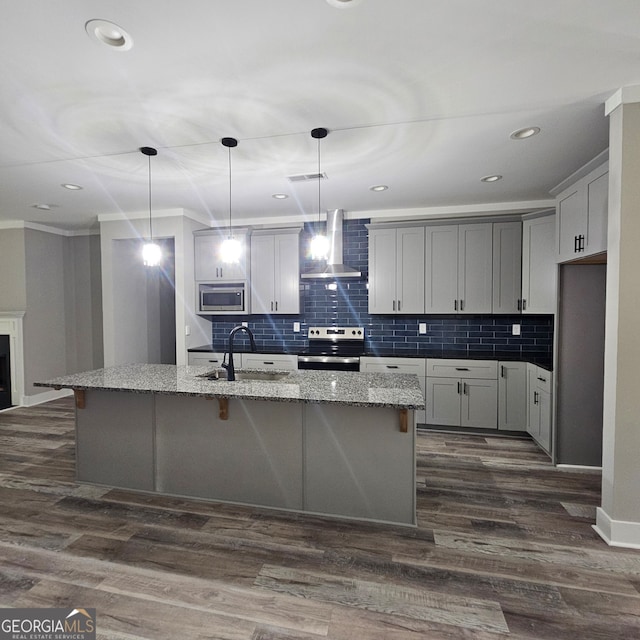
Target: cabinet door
(443,401)
(475,268)
(544,424)
(206,358)
(512,396)
(278,362)
(382,271)
(208,265)
(533,407)
(479,406)
(539,268)
(286,273)
(410,270)
(441,269)
(507,267)
(262,274)
(597,212)
(571,219)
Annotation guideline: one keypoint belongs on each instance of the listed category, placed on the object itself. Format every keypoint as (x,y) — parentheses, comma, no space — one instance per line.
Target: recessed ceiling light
(71,187)
(494,178)
(109,33)
(43,206)
(343,4)
(280,196)
(523,134)
(379,187)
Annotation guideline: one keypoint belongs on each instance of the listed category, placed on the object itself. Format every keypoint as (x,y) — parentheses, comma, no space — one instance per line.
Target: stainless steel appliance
(228,297)
(333,349)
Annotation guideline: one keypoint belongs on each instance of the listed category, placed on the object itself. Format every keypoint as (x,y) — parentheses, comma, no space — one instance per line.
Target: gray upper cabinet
(459,268)
(539,268)
(208,265)
(507,267)
(275,271)
(582,216)
(396,270)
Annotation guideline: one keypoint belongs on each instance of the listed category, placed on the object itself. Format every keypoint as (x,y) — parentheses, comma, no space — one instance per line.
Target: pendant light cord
(229,150)
(319,180)
(150,223)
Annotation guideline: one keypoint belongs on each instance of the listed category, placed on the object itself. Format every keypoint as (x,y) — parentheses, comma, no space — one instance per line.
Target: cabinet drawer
(544,379)
(269,361)
(478,369)
(204,358)
(393,365)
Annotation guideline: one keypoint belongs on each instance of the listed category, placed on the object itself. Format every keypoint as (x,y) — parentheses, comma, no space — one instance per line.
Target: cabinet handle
(535,397)
(462,369)
(392,366)
(542,379)
(398,305)
(214,361)
(221,273)
(455,305)
(272,305)
(575,244)
(524,304)
(519,306)
(581,243)
(502,372)
(459,388)
(276,305)
(267,362)
(394,305)
(461,305)
(465,388)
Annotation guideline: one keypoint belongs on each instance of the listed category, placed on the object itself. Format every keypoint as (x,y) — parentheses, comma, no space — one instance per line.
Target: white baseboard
(579,468)
(47,396)
(617,533)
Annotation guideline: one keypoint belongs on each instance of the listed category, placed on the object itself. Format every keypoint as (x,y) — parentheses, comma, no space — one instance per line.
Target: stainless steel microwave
(222,298)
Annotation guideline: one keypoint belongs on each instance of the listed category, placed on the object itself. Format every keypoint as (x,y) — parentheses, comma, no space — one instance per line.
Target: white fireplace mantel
(11,325)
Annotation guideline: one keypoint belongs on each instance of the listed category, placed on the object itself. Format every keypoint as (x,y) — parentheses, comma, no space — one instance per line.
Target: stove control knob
(359,333)
(353,332)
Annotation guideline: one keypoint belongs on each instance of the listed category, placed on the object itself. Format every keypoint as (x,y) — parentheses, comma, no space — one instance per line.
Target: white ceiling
(420,95)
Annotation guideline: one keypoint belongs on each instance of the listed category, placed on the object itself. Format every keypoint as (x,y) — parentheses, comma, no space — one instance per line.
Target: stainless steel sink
(267,376)
(263,376)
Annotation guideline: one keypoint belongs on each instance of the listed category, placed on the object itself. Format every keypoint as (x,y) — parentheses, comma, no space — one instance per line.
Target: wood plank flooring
(504,549)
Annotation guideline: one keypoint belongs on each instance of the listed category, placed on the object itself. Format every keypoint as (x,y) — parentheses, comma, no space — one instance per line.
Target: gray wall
(13,296)
(580,364)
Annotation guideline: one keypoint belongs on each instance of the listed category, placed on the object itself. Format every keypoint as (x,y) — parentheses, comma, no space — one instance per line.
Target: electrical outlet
(422,327)
(515,330)
(296,327)
(187,330)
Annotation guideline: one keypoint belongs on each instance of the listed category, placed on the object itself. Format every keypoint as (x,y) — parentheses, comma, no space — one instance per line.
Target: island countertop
(385,390)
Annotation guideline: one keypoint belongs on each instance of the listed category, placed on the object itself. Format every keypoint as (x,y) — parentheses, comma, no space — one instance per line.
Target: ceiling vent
(307,177)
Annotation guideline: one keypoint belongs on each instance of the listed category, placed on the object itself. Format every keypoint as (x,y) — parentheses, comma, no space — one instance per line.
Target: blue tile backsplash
(345,302)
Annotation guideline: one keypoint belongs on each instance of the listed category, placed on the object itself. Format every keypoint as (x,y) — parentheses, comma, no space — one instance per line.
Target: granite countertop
(384,390)
(541,358)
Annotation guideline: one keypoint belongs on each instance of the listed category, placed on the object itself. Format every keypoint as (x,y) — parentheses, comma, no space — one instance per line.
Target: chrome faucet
(231,371)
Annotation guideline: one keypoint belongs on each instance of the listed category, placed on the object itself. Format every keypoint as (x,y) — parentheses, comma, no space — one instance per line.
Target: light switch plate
(296,327)
(422,327)
(515,330)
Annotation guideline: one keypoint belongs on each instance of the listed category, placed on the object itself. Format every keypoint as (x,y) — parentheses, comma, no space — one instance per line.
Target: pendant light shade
(151,252)
(319,245)
(231,249)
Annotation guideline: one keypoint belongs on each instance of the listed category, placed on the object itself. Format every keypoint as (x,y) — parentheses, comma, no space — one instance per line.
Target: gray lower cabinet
(114,440)
(462,393)
(280,361)
(539,405)
(256,465)
(512,396)
(417,366)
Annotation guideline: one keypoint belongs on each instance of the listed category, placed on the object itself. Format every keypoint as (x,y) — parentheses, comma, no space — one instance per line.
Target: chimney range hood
(334,267)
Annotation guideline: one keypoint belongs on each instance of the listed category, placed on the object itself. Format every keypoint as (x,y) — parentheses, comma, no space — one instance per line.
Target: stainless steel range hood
(334,267)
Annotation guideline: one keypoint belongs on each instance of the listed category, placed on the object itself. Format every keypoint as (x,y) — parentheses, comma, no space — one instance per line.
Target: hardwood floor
(504,549)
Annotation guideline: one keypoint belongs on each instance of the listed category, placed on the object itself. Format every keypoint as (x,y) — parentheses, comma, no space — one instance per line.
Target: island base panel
(358,463)
(253,456)
(114,440)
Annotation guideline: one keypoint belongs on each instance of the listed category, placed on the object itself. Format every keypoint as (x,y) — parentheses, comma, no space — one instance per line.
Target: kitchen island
(322,442)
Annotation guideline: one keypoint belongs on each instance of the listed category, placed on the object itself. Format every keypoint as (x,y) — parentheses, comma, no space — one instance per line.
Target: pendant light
(231,249)
(319,245)
(151,252)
